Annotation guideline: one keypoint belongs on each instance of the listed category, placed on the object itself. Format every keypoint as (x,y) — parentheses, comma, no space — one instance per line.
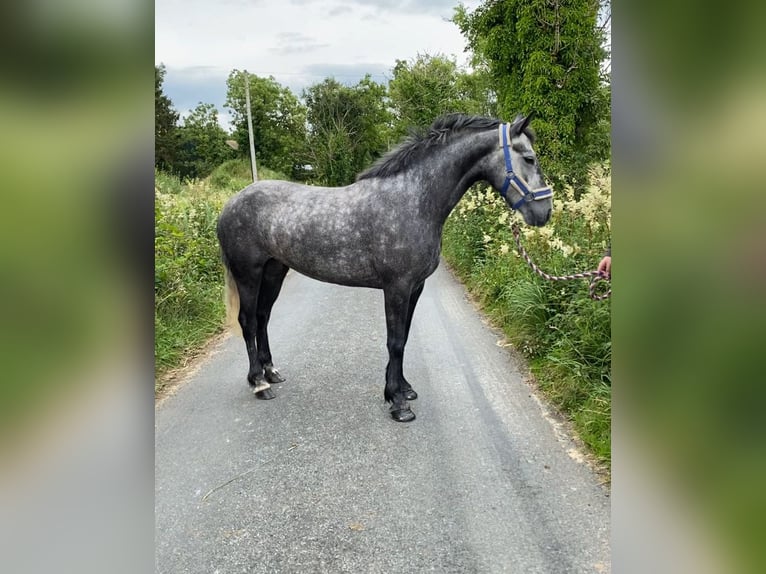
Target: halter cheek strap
(511,179)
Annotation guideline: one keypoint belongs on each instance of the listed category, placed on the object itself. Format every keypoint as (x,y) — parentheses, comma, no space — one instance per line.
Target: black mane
(414,146)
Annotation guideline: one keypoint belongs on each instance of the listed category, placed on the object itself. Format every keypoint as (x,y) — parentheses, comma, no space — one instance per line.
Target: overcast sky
(299,42)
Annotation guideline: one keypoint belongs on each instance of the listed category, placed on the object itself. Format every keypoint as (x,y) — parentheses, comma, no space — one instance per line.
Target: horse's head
(522,184)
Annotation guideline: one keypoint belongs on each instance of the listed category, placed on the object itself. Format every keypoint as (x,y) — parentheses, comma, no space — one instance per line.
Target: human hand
(605,266)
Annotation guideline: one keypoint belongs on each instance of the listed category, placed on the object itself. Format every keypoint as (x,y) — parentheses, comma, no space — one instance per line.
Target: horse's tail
(230,298)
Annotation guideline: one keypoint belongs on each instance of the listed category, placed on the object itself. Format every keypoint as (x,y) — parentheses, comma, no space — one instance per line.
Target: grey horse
(383,231)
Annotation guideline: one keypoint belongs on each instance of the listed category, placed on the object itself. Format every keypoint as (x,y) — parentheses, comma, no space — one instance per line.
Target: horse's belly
(340,272)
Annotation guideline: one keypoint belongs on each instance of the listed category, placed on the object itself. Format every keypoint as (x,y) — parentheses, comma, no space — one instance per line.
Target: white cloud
(298,42)
(440,7)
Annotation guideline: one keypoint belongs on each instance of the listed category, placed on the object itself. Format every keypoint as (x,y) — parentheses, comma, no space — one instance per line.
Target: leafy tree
(478,90)
(430,86)
(202,143)
(348,128)
(279,121)
(545,56)
(165,118)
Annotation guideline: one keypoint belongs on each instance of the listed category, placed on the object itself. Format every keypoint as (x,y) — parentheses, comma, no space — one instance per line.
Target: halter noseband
(511,178)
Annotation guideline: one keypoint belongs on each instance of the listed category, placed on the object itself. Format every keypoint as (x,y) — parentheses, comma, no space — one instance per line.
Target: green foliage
(279,121)
(232,175)
(188,276)
(165,118)
(430,86)
(190,150)
(236,174)
(545,57)
(167,183)
(201,143)
(478,90)
(348,128)
(565,335)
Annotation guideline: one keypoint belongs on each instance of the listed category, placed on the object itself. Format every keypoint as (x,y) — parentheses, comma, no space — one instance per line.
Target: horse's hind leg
(248,319)
(271,283)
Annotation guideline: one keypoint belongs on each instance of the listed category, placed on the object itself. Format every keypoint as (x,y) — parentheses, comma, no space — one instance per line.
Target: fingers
(605,266)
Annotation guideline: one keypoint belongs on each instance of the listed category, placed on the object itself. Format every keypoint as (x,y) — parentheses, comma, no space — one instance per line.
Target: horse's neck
(453,170)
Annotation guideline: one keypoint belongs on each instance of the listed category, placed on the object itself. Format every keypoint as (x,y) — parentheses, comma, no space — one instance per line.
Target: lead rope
(597,276)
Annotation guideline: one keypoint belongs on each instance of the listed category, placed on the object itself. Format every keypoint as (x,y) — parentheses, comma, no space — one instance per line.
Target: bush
(188,275)
(236,174)
(565,335)
(169,184)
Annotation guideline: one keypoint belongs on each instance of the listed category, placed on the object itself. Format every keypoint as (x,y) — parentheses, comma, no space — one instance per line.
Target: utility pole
(250,126)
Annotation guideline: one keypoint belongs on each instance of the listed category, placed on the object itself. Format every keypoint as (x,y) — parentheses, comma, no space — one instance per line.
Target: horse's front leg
(397,301)
(409,392)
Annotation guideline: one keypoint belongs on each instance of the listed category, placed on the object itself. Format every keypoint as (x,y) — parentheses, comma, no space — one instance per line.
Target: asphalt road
(320,479)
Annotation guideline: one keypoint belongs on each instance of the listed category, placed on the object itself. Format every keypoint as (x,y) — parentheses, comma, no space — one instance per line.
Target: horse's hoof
(265,395)
(404,415)
(273,376)
(410,394)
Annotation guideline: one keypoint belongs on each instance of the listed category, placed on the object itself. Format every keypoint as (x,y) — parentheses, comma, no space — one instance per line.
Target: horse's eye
(530,160)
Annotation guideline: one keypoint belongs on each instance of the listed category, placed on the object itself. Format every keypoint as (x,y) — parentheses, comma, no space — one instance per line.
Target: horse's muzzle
(536,219)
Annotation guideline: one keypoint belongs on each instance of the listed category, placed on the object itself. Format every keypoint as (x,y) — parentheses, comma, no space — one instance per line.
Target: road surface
(321,479)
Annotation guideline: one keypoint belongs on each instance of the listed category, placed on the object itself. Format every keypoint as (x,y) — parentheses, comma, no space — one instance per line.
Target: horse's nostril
(548,214)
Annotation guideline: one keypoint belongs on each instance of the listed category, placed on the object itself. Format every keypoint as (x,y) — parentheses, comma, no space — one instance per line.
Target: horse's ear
(521,123)
(526,121)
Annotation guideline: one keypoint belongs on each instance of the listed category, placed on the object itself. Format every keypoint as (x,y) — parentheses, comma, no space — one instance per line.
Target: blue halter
(511,178)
